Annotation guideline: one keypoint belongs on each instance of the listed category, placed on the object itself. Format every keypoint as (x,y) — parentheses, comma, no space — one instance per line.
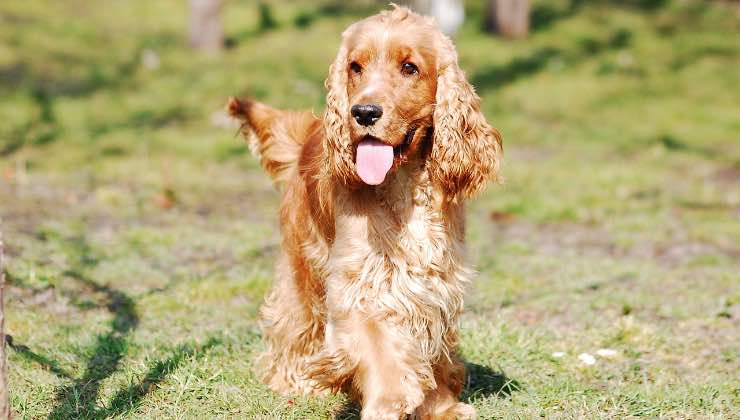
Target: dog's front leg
(388,376)
(443,403)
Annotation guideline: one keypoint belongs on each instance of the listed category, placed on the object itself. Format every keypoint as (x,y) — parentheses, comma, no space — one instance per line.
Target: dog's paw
(381,412)
(328,371)
(413,396)
(460,411)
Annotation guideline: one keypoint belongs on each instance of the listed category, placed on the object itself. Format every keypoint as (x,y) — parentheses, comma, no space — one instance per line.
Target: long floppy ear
(467,151)
(336,132)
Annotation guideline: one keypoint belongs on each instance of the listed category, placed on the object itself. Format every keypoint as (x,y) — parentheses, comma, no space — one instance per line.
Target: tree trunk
(4,392)
(510,18)
(205,25)
(450,14)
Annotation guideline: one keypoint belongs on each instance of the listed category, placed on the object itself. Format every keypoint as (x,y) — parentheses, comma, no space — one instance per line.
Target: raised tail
(275,136)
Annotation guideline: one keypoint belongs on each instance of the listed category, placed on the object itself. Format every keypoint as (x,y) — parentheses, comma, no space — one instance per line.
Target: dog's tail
(275,136)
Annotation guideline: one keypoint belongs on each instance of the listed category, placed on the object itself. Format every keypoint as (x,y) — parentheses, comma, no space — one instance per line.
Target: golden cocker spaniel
(370,280)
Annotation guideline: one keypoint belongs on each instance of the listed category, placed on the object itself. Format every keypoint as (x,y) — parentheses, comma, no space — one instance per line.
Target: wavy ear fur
(336,132)
(467,151)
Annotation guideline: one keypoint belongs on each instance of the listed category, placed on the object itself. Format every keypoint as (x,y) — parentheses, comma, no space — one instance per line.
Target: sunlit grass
(142,235)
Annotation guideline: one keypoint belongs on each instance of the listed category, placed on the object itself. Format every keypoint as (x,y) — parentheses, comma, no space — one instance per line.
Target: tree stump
(205,25)
(510,18)
(4,392)
(450,14)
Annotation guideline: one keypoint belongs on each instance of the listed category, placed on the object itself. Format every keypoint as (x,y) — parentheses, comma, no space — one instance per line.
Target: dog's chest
(396,249)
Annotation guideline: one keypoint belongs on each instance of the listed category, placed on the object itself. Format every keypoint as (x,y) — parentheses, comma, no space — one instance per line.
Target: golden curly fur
(371,277)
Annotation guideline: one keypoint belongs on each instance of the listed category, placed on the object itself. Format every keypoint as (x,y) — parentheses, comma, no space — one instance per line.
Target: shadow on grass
(78,399)
(349,411)
(38,131)
(44,86)
(47,363)
(141,119)
(501,75)
(482,382)
(497,76)
(543,15)
(92,76)
(128,399)
(674,144)
(305,18)
(485,382)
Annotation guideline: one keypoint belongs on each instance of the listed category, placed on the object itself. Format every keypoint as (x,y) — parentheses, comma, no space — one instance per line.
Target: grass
(142,235)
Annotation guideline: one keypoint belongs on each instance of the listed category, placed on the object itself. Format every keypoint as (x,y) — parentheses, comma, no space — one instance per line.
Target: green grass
(142,235)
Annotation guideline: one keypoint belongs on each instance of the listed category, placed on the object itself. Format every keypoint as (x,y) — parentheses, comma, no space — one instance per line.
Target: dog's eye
(356,68)
(409,69)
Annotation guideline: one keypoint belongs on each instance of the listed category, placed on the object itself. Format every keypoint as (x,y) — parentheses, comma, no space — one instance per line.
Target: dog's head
(396,93)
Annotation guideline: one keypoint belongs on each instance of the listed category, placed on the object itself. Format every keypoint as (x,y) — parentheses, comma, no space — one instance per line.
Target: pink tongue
(374,160)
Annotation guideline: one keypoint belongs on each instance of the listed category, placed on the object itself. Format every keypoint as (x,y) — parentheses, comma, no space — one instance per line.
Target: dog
(371,276)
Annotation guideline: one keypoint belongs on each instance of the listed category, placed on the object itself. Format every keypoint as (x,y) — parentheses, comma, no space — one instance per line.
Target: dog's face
(391,85)
(396,94)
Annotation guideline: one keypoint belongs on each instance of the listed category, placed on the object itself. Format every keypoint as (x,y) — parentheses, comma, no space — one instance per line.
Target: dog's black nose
(366,114)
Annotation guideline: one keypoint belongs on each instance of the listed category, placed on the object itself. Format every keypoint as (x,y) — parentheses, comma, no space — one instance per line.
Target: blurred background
(141,235)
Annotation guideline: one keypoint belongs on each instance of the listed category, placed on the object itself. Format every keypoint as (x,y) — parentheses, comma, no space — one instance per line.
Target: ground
(142,235)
